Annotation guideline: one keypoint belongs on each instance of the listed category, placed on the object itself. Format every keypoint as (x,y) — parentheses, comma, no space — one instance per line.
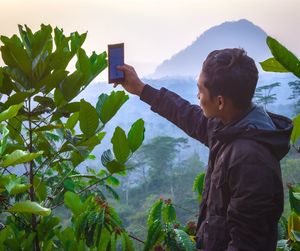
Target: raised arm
(189,118)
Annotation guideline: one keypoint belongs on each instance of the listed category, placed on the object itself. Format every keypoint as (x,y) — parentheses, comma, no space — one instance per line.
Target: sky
(152,30)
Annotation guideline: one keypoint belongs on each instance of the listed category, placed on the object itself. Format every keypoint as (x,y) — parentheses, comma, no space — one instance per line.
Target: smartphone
(115,58)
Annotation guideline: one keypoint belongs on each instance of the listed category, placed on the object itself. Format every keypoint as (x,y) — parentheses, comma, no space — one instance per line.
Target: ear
(221,102)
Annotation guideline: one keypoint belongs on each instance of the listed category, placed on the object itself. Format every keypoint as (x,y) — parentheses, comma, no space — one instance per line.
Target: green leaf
(10,112)
(88,118)
(154,232)
(115,167)
(20,188)
(17,98)
(120,145)
(294,201)
(73,202)
(296,130)
(83,64)
(136,135)
(184,240)
(169,213)
(72,120)
(18,157)
(286,58)
(51,81)
(155,213)
(111,180)
(29,207)
(111,105)
(14,54)
(272,65)
(127,243)
(4,132)
(199,184)
(71,85)
(40,188)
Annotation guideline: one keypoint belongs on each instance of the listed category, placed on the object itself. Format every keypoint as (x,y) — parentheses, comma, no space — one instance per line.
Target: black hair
(231,73)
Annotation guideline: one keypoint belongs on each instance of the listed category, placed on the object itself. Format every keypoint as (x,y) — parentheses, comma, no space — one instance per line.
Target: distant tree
(264,96)
(295,86)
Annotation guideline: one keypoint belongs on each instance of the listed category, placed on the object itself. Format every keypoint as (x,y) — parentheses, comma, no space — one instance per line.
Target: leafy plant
(286,61)
(46,135)
(164,232)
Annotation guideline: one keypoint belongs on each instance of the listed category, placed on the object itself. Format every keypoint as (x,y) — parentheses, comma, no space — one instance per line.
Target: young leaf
(272,65)
(4,132)
(29,207)
(88,118)
(120,145)
(136,135)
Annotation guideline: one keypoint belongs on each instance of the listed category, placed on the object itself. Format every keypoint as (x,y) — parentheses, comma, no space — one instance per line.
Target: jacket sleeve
(179,111)
(255,202)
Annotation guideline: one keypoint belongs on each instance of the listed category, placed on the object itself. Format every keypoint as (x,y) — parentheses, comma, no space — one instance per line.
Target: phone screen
(115,58)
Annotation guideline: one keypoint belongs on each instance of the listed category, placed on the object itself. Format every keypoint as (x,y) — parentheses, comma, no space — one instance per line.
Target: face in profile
(209,105)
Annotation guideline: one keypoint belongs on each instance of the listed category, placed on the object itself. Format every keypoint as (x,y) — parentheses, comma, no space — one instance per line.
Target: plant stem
(31,176)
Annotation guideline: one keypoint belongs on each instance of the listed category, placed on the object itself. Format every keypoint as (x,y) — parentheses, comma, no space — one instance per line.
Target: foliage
(163,230)
(41,148)
(286,61)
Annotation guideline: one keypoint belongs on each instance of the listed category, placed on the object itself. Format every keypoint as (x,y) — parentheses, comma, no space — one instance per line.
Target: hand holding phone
(115,58)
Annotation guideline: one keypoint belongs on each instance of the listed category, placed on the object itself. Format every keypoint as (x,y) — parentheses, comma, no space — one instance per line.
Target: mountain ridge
(239,34)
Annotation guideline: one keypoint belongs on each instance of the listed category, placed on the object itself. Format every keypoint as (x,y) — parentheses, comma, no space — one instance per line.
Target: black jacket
(243,195)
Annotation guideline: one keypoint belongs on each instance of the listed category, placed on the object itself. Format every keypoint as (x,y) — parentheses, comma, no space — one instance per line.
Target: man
(243,196)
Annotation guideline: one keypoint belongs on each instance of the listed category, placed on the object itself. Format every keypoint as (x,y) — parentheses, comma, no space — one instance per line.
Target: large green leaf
(10,112)
(73,202)
(18,157)
(120,145)
(111,105)
(136,135)
(29,207)
(88,118)
(286,58)
(272,65)
(296,130)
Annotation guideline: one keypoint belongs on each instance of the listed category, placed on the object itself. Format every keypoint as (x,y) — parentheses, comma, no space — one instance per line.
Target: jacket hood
(267,128)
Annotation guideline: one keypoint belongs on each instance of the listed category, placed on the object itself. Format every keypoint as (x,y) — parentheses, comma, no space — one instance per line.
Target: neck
(233,114)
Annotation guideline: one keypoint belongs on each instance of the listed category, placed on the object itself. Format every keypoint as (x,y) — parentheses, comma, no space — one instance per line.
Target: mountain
(238,34)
